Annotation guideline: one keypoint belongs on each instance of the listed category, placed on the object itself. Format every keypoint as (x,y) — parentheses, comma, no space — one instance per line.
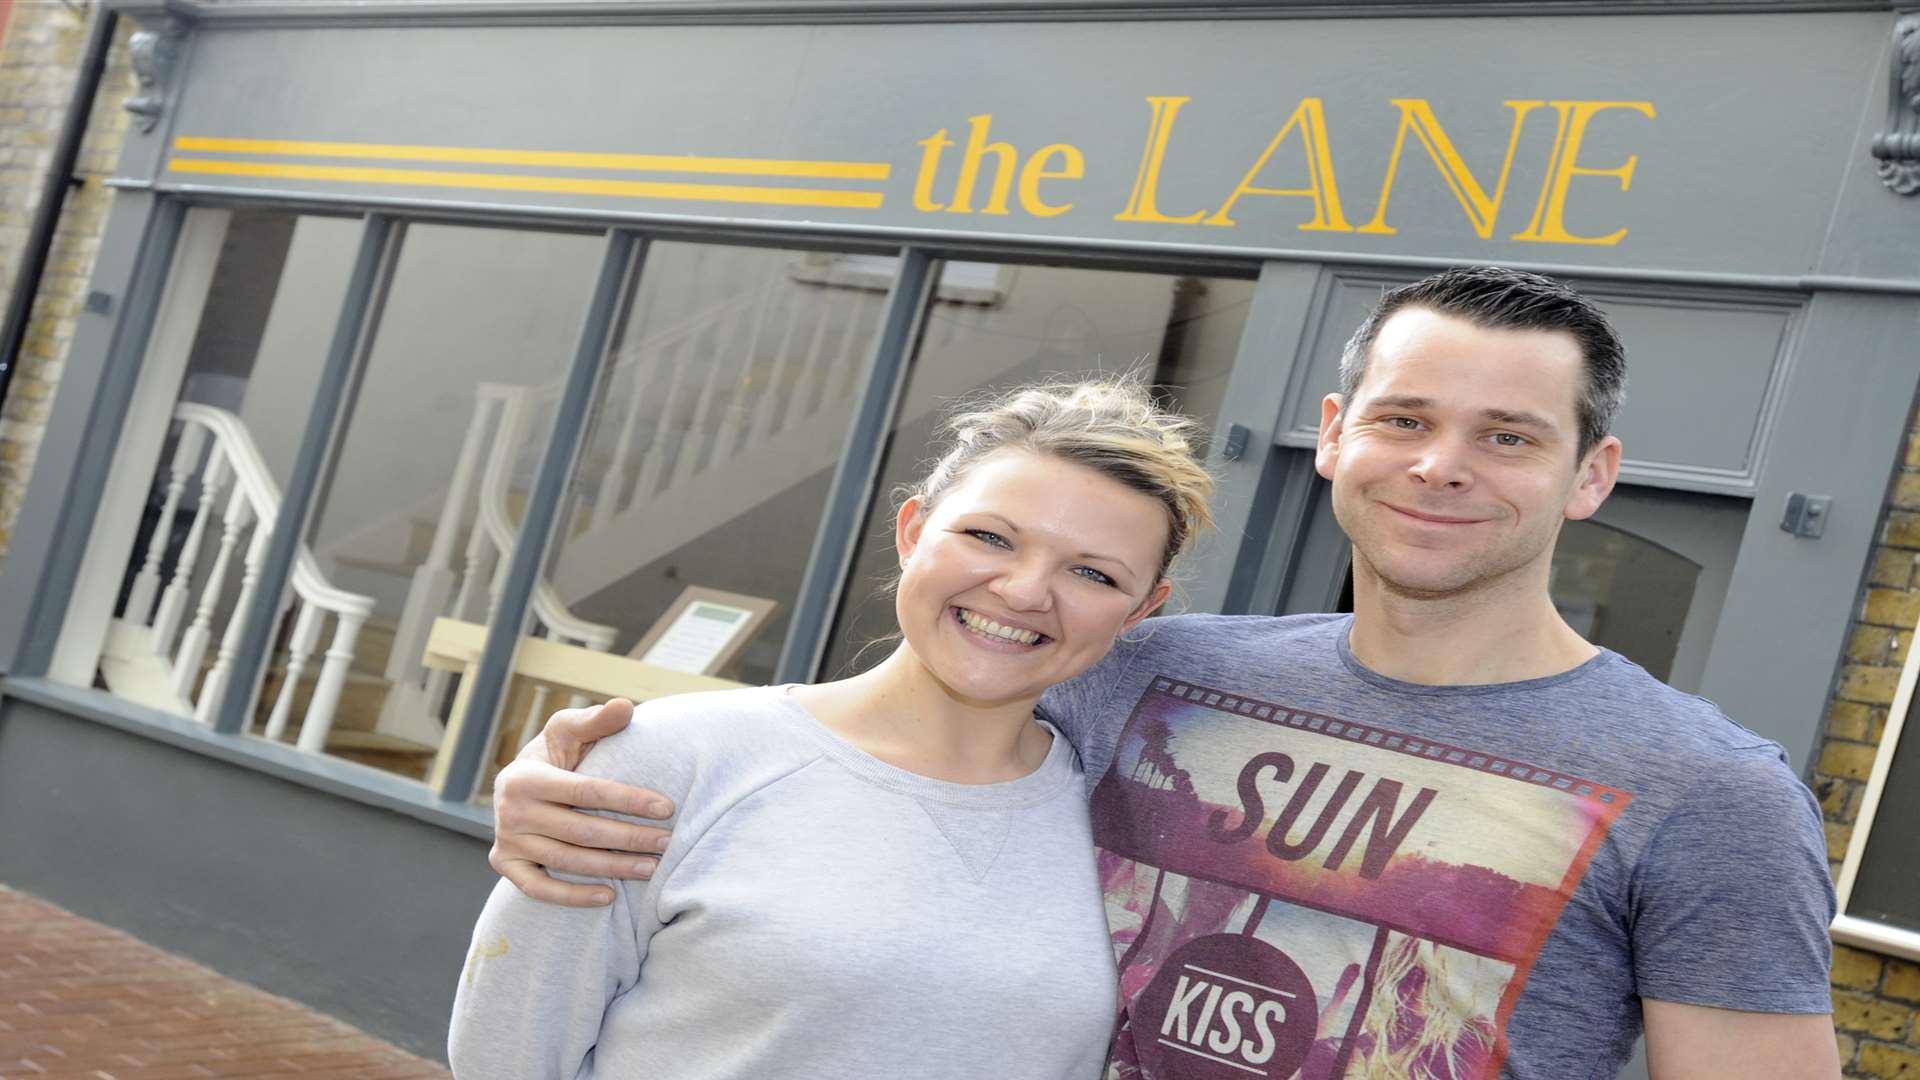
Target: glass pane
(248,315)
(1624,592)
(1031,323)
(724,411)
(421,511)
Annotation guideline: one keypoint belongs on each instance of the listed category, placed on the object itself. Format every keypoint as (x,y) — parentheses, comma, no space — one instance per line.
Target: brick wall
(1875,998)
(39,62)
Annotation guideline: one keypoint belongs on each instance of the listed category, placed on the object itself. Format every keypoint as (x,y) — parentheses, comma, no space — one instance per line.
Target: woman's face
(1024,572)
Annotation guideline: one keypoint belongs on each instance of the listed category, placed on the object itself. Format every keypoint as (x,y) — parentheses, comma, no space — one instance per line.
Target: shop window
(723,413)
(241,333)
(1183,332)
(960,282)
(422,504)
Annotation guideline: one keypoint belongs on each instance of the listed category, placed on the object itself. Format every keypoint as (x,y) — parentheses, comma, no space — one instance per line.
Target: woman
(890,875)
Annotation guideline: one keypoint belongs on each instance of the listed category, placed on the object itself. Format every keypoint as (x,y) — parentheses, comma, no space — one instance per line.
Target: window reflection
(1022,323)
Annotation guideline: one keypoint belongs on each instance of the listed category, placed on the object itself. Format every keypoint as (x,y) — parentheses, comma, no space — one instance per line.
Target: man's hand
(537,821)
(1693,1042)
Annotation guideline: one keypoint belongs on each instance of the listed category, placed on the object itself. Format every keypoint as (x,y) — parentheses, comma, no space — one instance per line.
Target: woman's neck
(899,712)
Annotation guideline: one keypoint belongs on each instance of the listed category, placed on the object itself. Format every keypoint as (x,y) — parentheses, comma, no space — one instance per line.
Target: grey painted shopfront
(526,318)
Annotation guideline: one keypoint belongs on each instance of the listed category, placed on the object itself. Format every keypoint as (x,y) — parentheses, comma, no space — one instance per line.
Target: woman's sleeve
(538,979)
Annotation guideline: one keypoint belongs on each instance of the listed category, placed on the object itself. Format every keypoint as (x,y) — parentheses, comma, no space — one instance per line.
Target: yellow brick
(1851,761)
(1882,1062)
(1856,970)
(1837,837)
(1870,645)
(1836,797)
(1847,720)
(1895,608)
(1876,725)
(1906,491)
(1903,528)
(1903,980)
(1912,460)
(1870,1016)
(1892,568)
(1873,685)
(1848,1047)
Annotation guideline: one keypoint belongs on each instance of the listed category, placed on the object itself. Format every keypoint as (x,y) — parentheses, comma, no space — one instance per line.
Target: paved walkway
(82,1001)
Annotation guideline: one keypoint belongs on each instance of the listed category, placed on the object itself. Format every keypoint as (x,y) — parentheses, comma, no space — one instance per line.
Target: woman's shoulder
(713,738)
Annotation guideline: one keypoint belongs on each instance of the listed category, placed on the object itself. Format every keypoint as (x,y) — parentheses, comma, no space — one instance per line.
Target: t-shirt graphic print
(1296,895)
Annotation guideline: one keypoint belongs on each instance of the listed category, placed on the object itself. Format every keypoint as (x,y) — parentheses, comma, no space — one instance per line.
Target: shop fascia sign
(964,176)
(1040,183)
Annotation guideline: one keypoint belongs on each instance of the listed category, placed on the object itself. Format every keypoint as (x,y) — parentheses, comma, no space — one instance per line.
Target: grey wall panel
(1843,415)
(873,95)
(1704,375)
(359,912)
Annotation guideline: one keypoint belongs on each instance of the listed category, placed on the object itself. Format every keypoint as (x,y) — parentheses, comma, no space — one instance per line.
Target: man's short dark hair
(1499,299)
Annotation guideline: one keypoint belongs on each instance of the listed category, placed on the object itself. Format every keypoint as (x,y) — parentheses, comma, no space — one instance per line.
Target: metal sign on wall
(1686,143)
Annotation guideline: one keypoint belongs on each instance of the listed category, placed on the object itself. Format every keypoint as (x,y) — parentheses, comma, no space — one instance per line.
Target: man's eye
(1404,423)
(987,537)
(1508,438)
(1091,574)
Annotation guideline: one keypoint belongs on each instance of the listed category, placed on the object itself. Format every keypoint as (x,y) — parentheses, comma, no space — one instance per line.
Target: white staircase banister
(250,471)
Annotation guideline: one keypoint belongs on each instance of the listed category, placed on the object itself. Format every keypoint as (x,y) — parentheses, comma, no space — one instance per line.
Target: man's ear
(1154,599)
(907,526)
(1598,473)
(1332,420)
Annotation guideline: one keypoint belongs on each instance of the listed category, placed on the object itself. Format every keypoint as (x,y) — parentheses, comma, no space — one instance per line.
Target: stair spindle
(306,633)
(215,689)
(318,723)
(186,458)
(193,647)
(173,599)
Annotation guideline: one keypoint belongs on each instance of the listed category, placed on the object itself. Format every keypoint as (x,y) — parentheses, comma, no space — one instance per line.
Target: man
(1445,837)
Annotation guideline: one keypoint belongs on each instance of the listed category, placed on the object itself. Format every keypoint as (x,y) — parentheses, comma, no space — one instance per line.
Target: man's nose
(1443,463)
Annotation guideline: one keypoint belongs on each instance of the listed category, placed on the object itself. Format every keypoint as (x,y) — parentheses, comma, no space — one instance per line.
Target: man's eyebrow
(1400,401)
(1519,419)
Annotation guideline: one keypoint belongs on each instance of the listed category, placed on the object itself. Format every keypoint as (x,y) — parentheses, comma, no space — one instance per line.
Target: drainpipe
(53,194)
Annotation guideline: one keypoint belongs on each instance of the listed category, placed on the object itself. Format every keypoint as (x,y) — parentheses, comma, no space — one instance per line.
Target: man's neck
(1507,633)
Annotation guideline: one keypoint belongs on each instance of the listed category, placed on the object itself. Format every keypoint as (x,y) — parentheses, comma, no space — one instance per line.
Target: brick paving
(82,1001)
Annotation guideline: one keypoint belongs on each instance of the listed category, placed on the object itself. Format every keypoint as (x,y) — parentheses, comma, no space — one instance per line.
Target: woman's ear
(1148,606)
(906,529)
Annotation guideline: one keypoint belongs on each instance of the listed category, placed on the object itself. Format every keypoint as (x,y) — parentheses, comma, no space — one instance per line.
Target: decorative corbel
(154,54)
(1898,147)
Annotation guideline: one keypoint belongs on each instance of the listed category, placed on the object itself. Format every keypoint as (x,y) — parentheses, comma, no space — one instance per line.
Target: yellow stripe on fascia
(639,189)
(564,159)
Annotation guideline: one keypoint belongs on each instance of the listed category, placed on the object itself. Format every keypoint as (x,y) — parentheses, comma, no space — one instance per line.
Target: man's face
(1455,462)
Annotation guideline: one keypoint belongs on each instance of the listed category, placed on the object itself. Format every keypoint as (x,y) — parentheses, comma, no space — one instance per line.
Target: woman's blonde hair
(1107,422)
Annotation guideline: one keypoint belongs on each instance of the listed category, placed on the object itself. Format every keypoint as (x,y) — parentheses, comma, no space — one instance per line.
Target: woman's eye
(1091,574)
(987,537)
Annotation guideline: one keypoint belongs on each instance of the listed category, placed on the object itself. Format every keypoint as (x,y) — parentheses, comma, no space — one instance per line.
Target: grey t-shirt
(819,913)
(1313,870)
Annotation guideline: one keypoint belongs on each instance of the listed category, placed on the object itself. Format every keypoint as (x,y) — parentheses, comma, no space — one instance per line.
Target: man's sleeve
(1731,903)
(1075,706)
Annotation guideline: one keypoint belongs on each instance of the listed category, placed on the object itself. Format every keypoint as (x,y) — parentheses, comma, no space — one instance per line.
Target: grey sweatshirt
(818,913)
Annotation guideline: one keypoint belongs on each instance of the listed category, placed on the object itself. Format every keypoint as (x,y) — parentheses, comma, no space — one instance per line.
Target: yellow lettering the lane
(1417,116)
(1549,214)
(1142,205)
(929,169)
(1322,187)
(1073,167)
(978,147)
